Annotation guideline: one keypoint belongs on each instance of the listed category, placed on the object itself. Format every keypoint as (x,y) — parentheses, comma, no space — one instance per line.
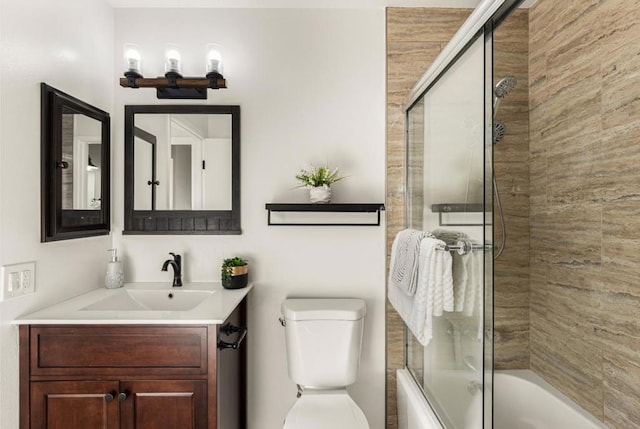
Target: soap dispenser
(115,273)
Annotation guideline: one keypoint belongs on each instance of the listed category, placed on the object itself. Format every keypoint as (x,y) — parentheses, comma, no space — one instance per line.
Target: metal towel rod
(463,247)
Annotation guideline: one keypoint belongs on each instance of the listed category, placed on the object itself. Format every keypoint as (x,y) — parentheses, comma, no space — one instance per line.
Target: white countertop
(213,309)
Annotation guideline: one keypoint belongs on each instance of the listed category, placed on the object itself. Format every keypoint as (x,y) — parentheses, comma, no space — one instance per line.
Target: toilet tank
(323,339)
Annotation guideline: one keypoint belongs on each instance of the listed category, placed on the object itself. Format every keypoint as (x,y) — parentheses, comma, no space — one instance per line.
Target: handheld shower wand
(503,87)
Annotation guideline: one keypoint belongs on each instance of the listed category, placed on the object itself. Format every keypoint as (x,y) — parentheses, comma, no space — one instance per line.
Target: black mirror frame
(180,222)
(52,104)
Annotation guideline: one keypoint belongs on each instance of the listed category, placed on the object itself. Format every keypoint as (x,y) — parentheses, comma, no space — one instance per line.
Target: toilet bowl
(323,339)
(325,409)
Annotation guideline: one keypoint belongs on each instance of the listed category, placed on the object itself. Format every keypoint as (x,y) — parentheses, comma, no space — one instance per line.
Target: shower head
(505,86)
(499,130)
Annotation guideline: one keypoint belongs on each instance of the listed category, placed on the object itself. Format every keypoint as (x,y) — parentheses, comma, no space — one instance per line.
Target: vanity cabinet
(134,376)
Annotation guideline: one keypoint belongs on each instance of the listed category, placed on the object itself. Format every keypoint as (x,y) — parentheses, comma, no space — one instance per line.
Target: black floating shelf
(326,208)
(456,208)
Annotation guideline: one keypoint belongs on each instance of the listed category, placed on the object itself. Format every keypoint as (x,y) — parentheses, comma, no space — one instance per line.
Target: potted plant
(318,181)
(234,273)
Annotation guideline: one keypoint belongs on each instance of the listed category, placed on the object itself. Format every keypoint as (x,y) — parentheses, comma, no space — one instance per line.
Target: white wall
(68,45)
(310,84)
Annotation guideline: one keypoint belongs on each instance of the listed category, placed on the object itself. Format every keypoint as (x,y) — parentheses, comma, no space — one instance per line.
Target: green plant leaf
(318,176)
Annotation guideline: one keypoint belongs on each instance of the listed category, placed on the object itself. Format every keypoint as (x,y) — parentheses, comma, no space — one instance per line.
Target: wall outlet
(17,280)
(25,279)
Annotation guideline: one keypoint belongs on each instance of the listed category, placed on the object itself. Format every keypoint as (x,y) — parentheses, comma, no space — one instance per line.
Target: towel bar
(462,247)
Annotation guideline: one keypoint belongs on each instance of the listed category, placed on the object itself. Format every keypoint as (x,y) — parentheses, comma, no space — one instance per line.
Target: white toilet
(323,338)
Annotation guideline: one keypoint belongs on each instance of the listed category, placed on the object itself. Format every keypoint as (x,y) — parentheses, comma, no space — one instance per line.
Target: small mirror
(182,169)
(75,167)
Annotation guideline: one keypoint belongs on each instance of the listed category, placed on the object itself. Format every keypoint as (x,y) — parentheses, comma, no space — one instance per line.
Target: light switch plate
(18,280)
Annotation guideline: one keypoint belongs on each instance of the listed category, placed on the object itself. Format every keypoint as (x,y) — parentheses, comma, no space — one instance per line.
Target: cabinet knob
(122,396)
(109,397)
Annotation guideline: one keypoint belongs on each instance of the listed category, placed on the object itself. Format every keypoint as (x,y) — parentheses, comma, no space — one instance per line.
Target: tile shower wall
(584,135)
(511,163)
(415,37)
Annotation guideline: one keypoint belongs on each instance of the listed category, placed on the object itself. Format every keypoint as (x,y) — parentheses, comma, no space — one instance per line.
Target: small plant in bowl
(234,273)
(318,180)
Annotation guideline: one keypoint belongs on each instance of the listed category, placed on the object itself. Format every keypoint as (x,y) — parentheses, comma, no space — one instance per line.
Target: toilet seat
(324,409)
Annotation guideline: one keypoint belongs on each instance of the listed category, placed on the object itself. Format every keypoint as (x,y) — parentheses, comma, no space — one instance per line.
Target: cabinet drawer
(113,349)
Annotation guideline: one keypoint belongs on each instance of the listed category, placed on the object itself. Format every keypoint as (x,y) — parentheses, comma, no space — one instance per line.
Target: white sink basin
(150,300)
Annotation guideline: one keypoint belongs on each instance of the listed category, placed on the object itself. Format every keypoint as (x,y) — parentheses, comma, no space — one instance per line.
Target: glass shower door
(446,182)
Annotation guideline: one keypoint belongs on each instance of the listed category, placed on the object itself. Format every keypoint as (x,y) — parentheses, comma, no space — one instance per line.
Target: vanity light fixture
(173,85)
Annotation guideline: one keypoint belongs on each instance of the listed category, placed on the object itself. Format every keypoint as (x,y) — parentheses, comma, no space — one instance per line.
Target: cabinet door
(231,378)
(166,404)
(74,405)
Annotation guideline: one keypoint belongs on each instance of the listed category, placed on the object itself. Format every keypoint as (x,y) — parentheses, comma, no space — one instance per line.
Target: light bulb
(172,59)
(132,58)
(214,58)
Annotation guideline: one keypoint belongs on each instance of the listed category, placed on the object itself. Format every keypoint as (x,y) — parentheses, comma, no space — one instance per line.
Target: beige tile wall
(584,72)
(415,37)
(583,330)
(511,164)
(411,48)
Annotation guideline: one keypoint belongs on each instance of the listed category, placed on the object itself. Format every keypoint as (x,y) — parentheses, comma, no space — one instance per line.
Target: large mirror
(182,169)
(75,139)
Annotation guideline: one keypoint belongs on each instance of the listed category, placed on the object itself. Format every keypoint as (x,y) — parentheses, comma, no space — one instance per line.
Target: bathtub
(459,408)
(523,400)
(413,410)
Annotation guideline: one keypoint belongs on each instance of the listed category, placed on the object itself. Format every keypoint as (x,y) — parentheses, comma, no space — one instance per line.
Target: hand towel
(460,280)
(434,291)
(403,270)
(477,260)
(442,278)
(474,289)
(448,236)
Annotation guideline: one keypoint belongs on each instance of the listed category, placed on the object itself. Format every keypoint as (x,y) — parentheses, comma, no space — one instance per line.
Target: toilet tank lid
(323,309)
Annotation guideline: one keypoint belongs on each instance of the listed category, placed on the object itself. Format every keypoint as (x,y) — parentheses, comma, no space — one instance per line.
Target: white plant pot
(320,195)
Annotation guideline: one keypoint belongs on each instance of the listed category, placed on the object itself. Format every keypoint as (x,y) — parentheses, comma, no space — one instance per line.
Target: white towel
(459,266)
(448,236)
(477,284)
(468,290)
(442,280)
(472,303)
(460,279)
(434,292)
(403,269)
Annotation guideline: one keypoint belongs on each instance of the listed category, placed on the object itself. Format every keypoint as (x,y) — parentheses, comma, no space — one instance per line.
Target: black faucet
(176,264)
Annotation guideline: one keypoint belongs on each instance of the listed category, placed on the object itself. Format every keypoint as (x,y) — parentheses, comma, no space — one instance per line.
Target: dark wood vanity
(134,376)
